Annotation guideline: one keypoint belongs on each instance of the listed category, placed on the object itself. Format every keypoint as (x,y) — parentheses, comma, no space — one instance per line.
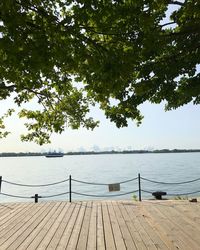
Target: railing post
(139,187)
(0,183)
(70,188)
(36,196)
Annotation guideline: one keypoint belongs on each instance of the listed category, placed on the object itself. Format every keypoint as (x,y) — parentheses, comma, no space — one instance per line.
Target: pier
(124,224)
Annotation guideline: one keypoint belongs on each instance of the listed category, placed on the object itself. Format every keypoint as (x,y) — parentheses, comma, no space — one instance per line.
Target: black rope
(150,192)
(104,184)
(27,185)
(16,196)
(195,192)
(170,183)
(90,183)
(54,195)
(111,195)
(128,180)
(146,191)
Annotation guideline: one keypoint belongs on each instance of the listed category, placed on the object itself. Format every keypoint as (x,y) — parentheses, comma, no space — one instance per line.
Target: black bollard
(36,196)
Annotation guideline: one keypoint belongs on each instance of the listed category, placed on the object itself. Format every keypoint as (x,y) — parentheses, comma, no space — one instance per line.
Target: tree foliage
(122,52)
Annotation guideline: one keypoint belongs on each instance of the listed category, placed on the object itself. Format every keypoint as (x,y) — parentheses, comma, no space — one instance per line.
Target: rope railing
(183,194)
(70,191)
(105,196)
(35,185)
(170,183)
(90,183)
(54,195)
(36,196)
(16,196)
(175,194)
(103,184)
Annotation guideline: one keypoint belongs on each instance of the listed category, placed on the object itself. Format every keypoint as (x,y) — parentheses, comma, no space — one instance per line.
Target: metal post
(139,189)
(70,188)
(0,183)
(36,196)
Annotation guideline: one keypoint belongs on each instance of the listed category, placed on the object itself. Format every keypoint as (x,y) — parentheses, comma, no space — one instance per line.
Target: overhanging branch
(166,24)
(177,3)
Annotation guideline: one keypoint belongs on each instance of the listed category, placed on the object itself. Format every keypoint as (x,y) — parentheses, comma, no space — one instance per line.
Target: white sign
(114,187)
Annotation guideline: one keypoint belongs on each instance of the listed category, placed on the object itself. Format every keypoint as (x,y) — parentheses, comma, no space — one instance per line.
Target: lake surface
(112,168)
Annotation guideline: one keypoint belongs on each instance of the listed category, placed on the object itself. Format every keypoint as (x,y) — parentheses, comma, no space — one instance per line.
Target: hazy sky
(173,129)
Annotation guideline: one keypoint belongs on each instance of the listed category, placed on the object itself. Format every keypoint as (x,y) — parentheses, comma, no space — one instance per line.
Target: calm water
(100,169)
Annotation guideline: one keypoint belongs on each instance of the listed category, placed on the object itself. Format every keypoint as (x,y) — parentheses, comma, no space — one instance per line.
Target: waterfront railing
(139,182)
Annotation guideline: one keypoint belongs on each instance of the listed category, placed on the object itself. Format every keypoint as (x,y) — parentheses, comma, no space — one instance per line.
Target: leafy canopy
(122,52)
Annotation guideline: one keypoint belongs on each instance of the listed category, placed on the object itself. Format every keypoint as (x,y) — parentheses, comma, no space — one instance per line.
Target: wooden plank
(101,225)
(18,225)
(174,233)
(68,230)
(14,224)
(158,228)
(73,242)
(11,215)
(188,229)
(11,212)
(150,236)
(83,236)
(190,211)
(46,224)
(28,231)
(18,235)
(92,234)
(100,228)
(119,241)
(53,226)
(123,227)
(26,228)
(168,227)
(141,237)
(62,227)
(129,214)
(108,230)
(6,209)
(78,220)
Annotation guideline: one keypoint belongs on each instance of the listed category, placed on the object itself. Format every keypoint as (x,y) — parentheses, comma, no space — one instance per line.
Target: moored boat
(54,154)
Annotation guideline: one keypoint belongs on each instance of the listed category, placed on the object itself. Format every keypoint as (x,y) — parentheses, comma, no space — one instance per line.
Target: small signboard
(114,187)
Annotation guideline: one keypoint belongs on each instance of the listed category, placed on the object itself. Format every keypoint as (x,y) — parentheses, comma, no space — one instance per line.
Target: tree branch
(92,29)
(166,24)
(182,33)
(34,9)
(177,3)
(10,87)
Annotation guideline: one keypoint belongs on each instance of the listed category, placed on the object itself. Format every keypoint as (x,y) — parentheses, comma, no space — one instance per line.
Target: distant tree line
(21,154)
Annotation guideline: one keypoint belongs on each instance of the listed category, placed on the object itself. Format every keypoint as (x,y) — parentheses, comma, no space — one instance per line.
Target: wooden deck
(100,225)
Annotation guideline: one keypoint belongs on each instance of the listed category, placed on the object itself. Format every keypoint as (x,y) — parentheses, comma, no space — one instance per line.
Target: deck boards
(101,225)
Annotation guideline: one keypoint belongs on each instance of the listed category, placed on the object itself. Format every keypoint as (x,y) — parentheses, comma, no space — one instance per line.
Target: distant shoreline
(163,151)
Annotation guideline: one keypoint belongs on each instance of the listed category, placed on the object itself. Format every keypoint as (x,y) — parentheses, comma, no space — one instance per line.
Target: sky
(159,130)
